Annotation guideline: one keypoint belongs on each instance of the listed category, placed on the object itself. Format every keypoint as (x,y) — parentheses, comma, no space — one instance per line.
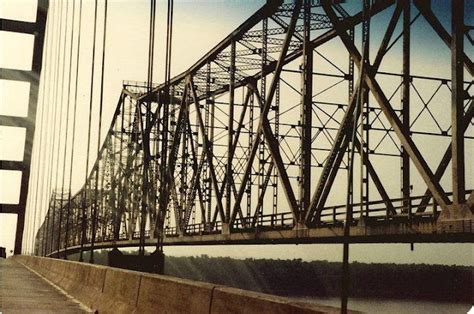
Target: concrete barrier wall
(173,295)
(113,290)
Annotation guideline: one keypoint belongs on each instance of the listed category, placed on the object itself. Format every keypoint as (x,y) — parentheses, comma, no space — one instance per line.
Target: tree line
(298,278)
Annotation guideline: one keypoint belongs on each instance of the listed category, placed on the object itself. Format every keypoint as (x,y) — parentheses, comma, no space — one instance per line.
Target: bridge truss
(252,144)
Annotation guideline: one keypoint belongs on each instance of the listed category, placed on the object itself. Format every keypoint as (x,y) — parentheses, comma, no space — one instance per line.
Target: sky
(198,26)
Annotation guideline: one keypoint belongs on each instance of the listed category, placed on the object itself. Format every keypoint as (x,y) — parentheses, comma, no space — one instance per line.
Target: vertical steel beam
(457,101)
(207,213)
(250,141)
(306,112)
(406,107)
(155,130)
(364,116)
(212,104)
(123,175)
(145,137)
(276,124)
(165,99)
(230,135)
(117,213)
(263,92)
(183,171)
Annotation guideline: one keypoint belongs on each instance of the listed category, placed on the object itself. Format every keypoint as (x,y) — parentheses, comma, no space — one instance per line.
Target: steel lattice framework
(251,144)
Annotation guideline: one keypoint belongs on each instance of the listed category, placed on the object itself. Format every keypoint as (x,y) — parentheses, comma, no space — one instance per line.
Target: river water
(394,306)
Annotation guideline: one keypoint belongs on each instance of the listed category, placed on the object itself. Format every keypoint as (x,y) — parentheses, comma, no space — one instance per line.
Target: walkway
(22,291)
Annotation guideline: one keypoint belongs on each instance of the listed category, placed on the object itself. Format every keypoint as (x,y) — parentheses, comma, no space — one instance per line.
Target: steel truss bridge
(253,143)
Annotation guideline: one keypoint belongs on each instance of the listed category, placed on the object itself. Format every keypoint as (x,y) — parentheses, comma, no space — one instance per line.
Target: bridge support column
(457,217)
(159,262)
(153,263)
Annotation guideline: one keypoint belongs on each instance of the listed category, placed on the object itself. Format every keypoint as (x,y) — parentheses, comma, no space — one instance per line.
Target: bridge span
(426,231)
(246,146)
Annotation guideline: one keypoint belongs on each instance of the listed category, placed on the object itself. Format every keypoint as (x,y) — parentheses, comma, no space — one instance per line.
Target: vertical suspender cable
(53,135)
(151,44)
(145,131)
(67,128)
(94,218)
(164,149)
(169,39)
(84,202)
(163,200)
(47,133)
(40,136)
(59,90)
(56,120)
(163,174)
(74,120)
(60,131)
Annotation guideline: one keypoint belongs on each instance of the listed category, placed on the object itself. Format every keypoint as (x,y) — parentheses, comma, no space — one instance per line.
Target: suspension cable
(60,131)
(94,216)
(163,186)
(169,38)
(44,209)
(53,135)
(60,96)
(151,44)
(32,224)
(67,128)
(146,129)
(74,115)
(84,202)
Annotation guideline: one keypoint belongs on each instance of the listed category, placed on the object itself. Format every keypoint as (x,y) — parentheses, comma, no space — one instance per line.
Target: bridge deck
(22,291)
